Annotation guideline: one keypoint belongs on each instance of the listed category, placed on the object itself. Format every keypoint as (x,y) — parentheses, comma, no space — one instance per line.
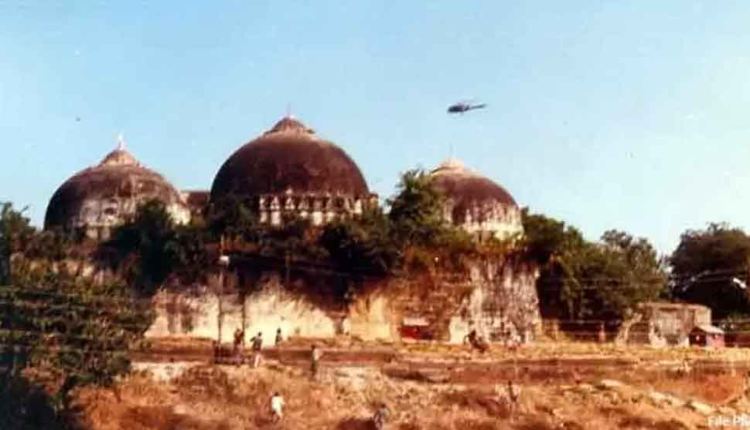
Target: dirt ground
(436,387)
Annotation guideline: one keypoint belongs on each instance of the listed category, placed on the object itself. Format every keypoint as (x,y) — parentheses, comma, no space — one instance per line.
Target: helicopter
(463,107)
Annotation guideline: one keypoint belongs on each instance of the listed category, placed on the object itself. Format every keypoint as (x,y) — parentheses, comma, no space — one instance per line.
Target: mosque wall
(319,209)
(496,298)
(503,303)
(99,216)
(216,316)
(500,220)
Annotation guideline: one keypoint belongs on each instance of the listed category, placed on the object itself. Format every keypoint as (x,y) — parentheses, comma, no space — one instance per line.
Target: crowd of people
(277,402)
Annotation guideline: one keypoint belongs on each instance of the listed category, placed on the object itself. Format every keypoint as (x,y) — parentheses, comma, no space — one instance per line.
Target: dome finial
(289,124)
(289,111)
(452,163)
(121,142)
(120,156)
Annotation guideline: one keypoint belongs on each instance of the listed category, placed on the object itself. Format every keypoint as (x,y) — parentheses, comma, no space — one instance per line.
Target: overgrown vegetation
(362,245)
(416,212)
(602,280)
(151,250)
(74,330)
(15,236)
(58,331)
(410,236)
(25,404)
(711,267)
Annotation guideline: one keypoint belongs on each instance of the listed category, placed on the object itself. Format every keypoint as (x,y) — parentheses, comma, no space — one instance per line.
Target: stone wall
(667,323)
(503,303)
(211,314)
(496,298)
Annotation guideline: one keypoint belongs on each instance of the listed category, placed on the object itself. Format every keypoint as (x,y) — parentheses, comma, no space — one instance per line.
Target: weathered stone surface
(498,299)
(210,315)
(291,160)
(475,202)
(663,323)
(103,196)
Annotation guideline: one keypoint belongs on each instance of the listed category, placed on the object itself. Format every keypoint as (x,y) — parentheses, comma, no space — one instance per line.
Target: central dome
(289,159)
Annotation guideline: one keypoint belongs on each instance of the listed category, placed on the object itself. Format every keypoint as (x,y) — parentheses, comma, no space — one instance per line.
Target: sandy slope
(453,395)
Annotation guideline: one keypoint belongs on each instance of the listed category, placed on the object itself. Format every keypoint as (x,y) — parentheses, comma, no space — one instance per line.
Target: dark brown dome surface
(467,188)
(289,157)
(118,178)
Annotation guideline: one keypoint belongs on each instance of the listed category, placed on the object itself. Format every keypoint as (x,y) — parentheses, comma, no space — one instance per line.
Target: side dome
(103,196)
(290,158)
(475,202)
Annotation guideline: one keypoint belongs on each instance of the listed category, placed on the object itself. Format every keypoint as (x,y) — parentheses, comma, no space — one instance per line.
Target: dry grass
(208,397)
(219,397)
(577,350)
(712,387)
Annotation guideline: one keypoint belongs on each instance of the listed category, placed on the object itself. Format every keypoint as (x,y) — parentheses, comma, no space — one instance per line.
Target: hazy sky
(628,115)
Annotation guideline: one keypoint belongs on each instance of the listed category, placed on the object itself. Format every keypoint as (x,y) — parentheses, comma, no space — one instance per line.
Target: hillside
(435,388)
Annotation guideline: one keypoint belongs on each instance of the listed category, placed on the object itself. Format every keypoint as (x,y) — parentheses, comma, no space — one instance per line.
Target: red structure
(416,329)
(707,335)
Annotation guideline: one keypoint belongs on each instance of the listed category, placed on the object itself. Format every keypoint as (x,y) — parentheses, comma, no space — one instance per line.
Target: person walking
(239,337)
(315,355)
(277,407)
(380,417)
(514,395)
(278,339)
(257,346)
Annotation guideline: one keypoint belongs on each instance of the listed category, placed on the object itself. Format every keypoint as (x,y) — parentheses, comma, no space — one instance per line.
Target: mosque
(291,171)
(288,170)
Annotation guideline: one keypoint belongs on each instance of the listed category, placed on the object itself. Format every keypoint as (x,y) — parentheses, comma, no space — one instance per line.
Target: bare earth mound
(451,393)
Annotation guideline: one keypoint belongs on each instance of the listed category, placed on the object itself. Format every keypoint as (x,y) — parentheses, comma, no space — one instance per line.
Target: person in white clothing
(315,355)
(277,407)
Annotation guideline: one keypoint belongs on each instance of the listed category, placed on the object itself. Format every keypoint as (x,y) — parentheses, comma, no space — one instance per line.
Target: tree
(603,280)
(546,237)
(15,234)
(706,266)
(607,280)
(70,330)
(192,256)
(150,250)
(552,245)
(362,244)
(231,217)
(27,405)
(417,210)
(146,249)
